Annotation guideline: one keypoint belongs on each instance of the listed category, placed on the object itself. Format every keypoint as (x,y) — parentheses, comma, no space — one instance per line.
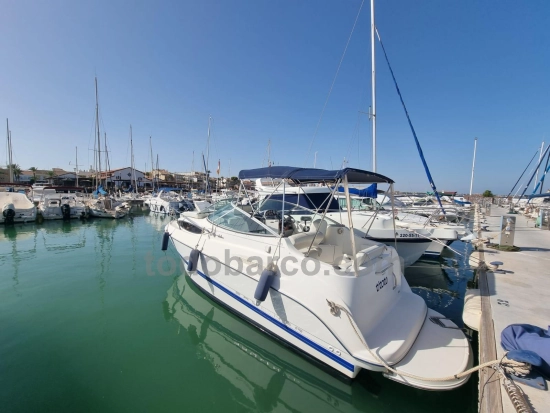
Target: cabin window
(189,227)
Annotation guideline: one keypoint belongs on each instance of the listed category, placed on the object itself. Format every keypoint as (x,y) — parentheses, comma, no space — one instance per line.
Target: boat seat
(369,253)
(320,225)
(303,240)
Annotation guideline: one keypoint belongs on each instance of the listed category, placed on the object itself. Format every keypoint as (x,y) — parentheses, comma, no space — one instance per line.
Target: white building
(122,177)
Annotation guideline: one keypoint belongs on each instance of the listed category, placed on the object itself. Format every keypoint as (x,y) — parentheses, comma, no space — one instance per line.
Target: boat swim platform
(517,291)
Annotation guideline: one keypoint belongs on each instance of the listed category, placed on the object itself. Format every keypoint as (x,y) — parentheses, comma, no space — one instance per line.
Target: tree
(232,182)
(16,170)
(33,169)
(51,174)
(488,194)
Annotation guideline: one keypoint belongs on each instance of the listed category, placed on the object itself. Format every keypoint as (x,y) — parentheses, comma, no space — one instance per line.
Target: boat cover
(312,175)
(99,190)
(528,337)
(369,192)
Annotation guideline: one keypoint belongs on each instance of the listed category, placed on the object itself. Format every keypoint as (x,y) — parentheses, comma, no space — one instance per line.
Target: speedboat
(60,205)
(322,287)
(16,207)
(167,201)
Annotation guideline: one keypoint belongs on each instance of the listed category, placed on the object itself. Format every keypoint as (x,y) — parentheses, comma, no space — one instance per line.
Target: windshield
(225,214)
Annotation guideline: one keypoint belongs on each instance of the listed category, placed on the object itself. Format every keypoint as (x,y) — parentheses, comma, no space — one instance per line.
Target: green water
(94,317)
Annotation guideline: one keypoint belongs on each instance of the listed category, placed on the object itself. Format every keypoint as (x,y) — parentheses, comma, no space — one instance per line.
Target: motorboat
(410,240)
(16,207)
(322,287)
(409,225)
(37,190)
(61,205)
(167,201)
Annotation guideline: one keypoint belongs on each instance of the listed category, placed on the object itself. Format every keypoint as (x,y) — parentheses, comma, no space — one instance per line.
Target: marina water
(95,317)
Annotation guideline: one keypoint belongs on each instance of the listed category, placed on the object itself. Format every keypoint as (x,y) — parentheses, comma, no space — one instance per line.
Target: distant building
(122,178)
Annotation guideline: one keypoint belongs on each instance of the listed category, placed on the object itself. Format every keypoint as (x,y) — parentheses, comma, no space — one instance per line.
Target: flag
(218,170)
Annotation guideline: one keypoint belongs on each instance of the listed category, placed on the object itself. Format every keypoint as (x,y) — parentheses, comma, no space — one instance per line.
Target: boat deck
(519,294)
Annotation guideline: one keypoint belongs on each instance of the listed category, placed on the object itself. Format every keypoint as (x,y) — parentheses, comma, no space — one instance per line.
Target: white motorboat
(340,298)
(167,201)
(411,241)
(61,205)
(16,207)
(410,227)
(38,190)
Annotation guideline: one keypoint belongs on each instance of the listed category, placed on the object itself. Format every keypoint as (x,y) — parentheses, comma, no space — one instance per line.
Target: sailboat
(102,205)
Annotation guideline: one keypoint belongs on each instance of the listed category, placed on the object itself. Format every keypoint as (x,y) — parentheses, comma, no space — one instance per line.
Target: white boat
(38,190)
(168,201)
(340,298)
(411,240)
(61,205)
(16,207)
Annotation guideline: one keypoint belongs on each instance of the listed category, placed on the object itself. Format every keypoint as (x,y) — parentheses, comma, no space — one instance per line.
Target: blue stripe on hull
(282,326)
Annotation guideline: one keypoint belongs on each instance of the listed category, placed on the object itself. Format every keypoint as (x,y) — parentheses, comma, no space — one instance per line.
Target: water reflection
(62,236)
(442,282)
(157,221)
(20,246)
(269,375)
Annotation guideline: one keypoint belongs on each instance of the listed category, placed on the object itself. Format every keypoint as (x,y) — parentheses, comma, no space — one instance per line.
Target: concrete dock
(517,292)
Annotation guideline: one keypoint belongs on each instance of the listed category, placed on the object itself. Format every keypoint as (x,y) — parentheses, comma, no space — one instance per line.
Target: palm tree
(33,169)
(16,170)
(51,174)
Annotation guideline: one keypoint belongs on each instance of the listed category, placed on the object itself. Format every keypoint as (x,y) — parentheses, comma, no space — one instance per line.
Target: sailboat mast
(10,160)
(208,146)
(98,181)
(473,166)
(132,161)
(157,169)
(152,163)
(373,81)
(107,163)
(76,174)
(540,157)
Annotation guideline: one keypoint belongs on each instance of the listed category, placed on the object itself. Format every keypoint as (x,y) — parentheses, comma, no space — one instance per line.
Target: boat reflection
(271,376)
(18,245)
(62,236)
(157,221)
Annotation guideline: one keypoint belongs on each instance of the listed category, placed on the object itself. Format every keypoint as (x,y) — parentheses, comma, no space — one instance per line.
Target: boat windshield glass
(225,214)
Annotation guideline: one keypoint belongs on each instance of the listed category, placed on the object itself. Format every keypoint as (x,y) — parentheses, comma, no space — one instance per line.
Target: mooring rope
(518,368)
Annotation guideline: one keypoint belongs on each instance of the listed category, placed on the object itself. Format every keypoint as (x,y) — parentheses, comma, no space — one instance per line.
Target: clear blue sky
(263,69)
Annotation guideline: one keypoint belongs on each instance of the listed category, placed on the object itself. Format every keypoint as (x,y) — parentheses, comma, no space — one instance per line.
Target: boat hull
(236,292)
(409,250)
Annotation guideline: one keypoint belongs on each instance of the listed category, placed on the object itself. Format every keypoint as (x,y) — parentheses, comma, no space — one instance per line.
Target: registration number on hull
(380,284)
